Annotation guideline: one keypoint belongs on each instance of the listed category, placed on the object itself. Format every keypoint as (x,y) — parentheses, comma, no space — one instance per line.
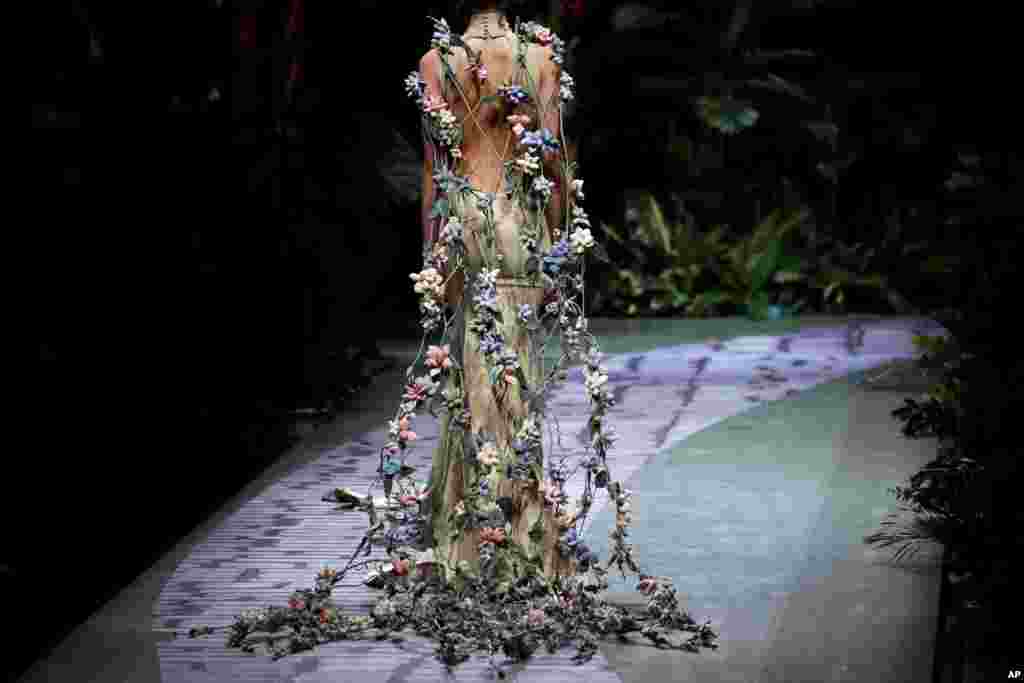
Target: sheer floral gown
(497,408)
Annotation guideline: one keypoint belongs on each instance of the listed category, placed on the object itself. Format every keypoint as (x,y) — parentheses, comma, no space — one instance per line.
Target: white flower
(414,86)
(595,382)
(452,231)
(577,188)
(488,454)
(528,163)
(566,86)
(542,186)
(430,307)
(487,278)
(581,240)
(579,217)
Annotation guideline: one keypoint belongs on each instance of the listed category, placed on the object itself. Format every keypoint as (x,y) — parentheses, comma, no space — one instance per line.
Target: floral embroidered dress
(495,506)
(493,523)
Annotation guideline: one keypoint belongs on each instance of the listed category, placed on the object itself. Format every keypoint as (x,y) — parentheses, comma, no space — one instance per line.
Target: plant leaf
(764,264)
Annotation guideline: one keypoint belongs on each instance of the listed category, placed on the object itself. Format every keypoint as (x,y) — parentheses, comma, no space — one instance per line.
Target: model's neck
(493,19)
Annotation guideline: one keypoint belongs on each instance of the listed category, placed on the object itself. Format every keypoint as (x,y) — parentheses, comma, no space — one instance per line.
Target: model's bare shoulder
(541,55)
(430,72)
(430,62)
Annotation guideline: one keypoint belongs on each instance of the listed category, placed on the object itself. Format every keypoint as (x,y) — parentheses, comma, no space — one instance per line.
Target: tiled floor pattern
(279,540)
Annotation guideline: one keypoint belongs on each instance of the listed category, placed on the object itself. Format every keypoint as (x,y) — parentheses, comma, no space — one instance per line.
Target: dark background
(200,267)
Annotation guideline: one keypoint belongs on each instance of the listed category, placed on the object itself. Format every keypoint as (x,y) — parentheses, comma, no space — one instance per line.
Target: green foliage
(726,114)
(765,256)
(680,269)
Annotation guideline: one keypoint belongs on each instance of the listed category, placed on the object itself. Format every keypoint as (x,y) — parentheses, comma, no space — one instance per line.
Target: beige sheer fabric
(487,144)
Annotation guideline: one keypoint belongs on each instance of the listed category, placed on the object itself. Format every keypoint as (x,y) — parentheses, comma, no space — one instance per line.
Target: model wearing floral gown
(496,193)
(506,242)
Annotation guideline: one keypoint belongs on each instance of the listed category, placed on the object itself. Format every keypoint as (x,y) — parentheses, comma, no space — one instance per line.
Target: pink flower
(296,603)
(543,36)
(648,584)
(552,492)
(415,392)
(480,70)
(518,129)
(495,535)
(488,455)
(433,103)
(406,435)
(400,567)
(408,500)
(438,357)
(535,617)
(510,377)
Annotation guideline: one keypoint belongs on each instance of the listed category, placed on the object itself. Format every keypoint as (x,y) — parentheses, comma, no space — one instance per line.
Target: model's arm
(430,73)
(548,91)
(428,194)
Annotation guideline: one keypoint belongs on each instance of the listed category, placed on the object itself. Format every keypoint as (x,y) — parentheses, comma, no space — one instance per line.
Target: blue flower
(570,537)
(554,259)
(549,141)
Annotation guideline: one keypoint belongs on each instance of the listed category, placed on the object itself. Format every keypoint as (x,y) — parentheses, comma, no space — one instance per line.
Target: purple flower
(514,94)
(555,258)
(487,298)
(489,344)
(531,138)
